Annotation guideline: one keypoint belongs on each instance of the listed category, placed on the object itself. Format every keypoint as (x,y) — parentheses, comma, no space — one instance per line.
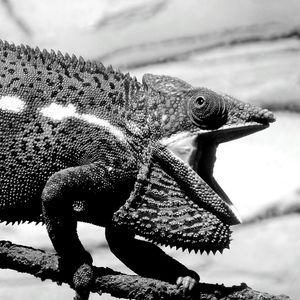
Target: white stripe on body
(60,112)
(12,104)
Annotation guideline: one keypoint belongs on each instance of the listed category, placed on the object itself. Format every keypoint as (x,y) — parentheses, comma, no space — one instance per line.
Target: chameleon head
(177,201)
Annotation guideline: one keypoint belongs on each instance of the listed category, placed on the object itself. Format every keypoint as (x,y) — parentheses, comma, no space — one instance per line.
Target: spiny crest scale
(65,61)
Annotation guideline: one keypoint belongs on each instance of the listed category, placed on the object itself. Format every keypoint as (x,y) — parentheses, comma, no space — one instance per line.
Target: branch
(45,265)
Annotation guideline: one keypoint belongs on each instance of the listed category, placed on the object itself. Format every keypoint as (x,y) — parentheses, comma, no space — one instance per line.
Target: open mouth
(179,203)
(199,152)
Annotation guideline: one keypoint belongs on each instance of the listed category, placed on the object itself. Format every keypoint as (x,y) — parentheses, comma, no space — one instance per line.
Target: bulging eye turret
(207,110)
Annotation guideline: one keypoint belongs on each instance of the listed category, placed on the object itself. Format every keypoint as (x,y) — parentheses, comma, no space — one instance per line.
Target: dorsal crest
(65,62)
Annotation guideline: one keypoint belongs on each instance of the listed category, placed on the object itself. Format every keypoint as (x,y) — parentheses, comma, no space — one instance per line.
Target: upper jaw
(231,132)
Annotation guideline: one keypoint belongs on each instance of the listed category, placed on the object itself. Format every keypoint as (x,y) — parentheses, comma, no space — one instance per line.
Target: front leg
(73,194)
(148,260)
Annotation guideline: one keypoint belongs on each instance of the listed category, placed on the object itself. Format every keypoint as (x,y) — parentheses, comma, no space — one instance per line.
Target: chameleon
(81,142)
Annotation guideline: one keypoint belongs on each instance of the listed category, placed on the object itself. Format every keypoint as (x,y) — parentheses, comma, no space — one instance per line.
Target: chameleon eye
(200,101)
(207,112)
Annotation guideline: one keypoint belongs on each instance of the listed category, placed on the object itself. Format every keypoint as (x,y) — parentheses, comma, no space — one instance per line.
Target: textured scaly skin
(81,142)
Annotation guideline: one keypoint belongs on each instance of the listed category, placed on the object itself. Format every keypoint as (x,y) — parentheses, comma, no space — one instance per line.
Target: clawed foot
(188,283)
(82,280)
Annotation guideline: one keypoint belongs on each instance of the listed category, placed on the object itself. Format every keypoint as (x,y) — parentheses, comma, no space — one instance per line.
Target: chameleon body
(81,142)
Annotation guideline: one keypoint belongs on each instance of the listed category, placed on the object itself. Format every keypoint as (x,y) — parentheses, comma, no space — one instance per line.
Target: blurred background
(249,49)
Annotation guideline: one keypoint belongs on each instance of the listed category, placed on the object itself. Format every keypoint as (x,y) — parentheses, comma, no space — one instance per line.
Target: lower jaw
(202,160)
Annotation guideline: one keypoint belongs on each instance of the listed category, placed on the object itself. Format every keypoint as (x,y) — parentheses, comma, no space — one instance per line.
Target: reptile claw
(188,284)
